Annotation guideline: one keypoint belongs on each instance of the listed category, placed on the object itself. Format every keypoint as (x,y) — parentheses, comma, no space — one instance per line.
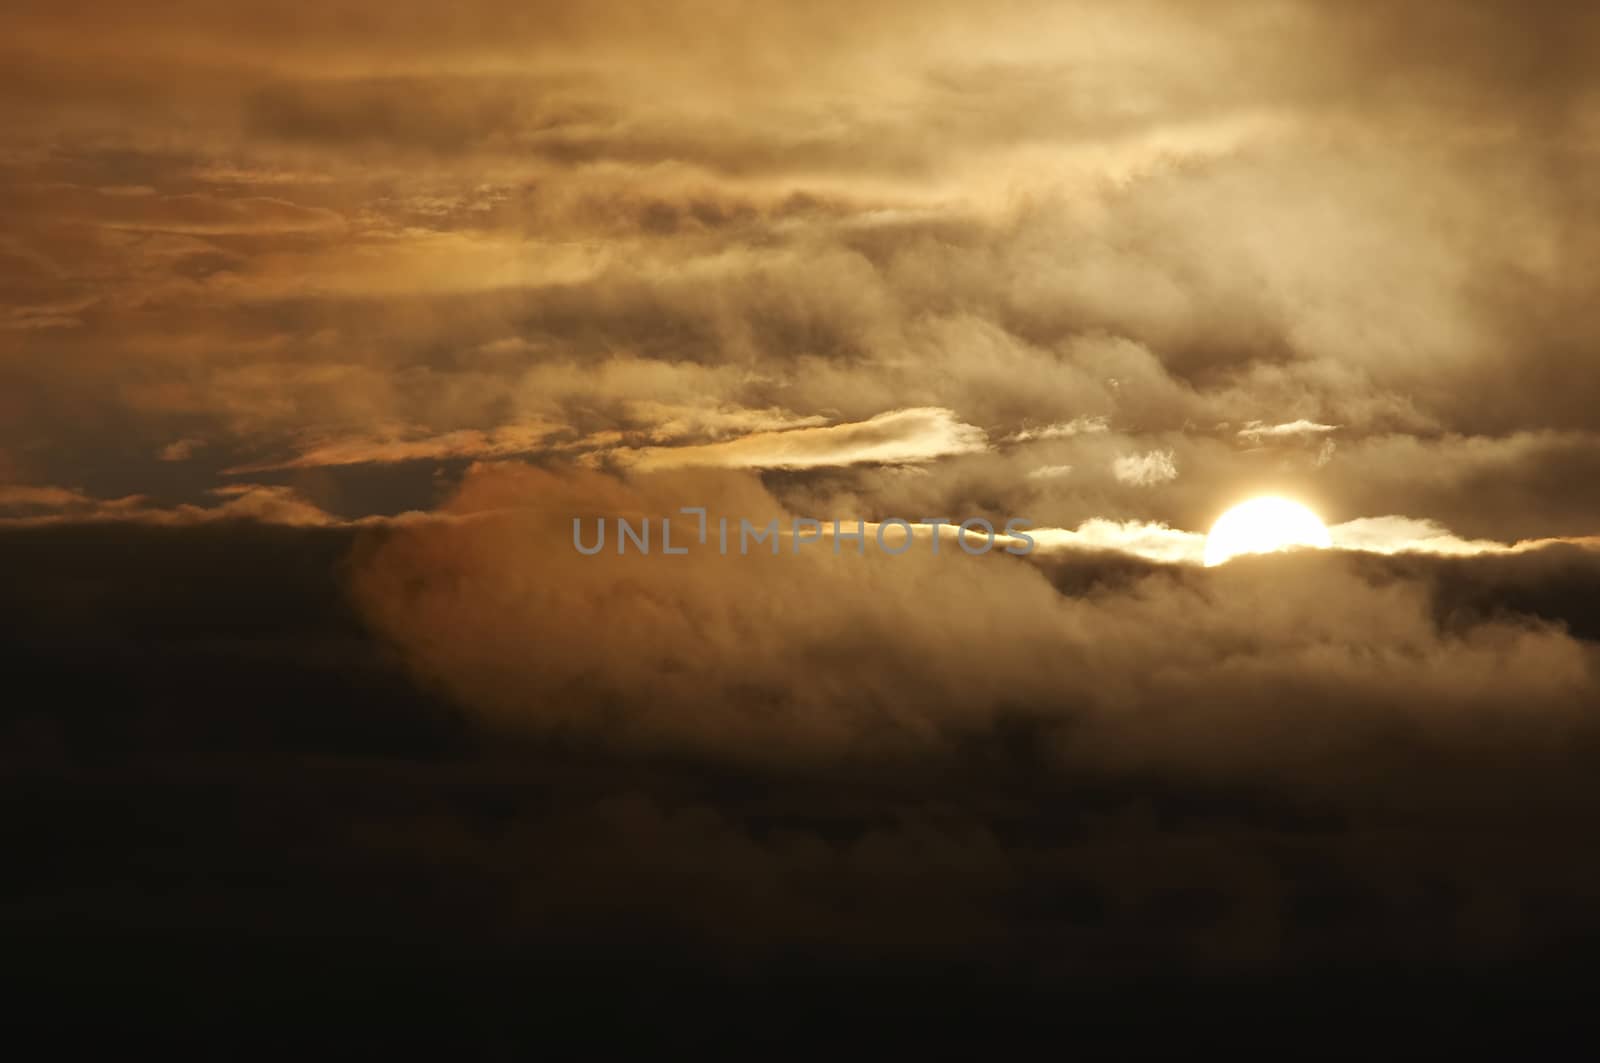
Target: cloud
(1072,746)
(366,450)
(23,496)
(143,209)
(897,437)
(1377,535)
(1256,431)
(1144,470)
(756,252)
(261,503)
(267,503)
(181,449)
(1154,542)
(1390,535)
(672,421)
(813,652)
(1061,429)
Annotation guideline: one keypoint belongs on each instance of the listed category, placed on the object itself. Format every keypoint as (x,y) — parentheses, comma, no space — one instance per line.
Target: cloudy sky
(319,324)
(1337,248)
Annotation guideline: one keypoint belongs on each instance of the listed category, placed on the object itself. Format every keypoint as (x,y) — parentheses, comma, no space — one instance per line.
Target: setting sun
(1264,525)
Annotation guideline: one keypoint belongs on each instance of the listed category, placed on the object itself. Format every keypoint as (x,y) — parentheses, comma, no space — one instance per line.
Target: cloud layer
(1188,252)
(1258,666)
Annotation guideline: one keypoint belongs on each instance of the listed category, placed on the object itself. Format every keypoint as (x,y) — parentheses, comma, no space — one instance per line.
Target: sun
(1263,525)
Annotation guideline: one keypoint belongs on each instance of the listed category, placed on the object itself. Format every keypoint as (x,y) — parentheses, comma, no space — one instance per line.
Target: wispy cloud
(264,503)
(1149,540)
(1256,431)
(1393,535)
(898,437)
(1145,470)
(505,441)
(23,496)
(1378,535)
(181,450)
(1062,429)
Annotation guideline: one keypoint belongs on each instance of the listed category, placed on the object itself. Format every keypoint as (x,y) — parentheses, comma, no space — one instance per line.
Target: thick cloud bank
(1289,668)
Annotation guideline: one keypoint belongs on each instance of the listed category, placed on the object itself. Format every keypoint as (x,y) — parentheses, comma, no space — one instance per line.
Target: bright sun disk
(1264,525)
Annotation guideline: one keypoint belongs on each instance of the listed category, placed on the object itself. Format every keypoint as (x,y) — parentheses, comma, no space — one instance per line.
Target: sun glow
(1264,525)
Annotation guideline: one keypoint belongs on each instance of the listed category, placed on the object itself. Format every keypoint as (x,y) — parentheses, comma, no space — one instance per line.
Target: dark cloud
(1383,787)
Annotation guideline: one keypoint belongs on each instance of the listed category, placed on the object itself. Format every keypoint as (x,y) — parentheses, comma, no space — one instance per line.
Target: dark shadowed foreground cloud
(247,758)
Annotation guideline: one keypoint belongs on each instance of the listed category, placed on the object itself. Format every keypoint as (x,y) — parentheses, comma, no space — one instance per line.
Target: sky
(320,325)
(1338,248)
